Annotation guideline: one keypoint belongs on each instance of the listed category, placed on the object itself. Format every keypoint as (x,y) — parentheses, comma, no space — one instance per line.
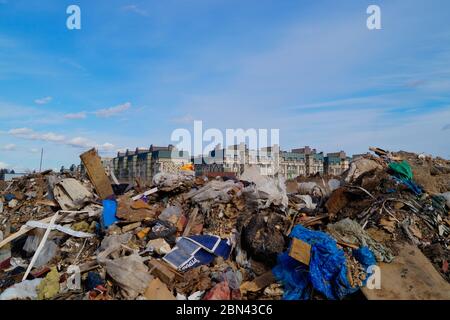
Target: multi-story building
(235,158)
(107,163)
(336,163)
(314,164)
(144,163)
(313,160)
(292,164)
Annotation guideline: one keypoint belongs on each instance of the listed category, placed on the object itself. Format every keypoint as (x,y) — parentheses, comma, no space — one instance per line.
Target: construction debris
(85,237)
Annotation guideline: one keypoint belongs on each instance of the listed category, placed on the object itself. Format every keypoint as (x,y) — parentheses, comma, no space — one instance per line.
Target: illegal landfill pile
(67,236)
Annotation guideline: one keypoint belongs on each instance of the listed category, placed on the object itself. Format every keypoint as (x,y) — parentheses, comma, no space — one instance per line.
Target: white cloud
(43,100)
(184,119)
(50,136)
(135,9)
(34,150)
(109,112)
(20,131)
(78,115)
(9,147)
(77,142)
(80,142)
(83,143)
(106,147)
(29,134)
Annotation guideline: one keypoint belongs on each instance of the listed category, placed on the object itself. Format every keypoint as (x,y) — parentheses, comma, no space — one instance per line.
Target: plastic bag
(334,184)
(233,278)
(23,290)
(273,190)
(221,291)
(358,167)
(447,198)
(306,187)
(48,252)
(216,190)
(169,181)
(114,242)
(171,214)
(307,202)
(130,273)
(5,252)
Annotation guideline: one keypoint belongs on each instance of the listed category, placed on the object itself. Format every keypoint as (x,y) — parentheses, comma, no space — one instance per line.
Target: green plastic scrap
(49,287)
(402,169)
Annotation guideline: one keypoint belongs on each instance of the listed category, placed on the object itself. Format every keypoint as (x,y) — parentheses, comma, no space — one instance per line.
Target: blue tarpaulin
(327,271)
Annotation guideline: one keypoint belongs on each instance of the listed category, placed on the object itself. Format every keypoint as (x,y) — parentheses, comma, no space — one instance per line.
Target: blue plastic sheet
(327,271)
(410,184)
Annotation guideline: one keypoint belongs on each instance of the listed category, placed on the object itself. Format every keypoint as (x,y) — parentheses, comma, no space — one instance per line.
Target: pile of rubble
(72,237)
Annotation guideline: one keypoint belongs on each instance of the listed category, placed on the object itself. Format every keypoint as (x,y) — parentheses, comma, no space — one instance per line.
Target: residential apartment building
(313,160)
(269,160)
(292,164)
(235,158)
(336,163)
(144,163)
(107,163)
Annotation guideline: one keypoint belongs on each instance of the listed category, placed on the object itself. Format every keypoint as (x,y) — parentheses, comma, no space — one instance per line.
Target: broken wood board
(46,202)
(258,283)
(162,271)
(191,222)
(23,230)
(300,251)
(157,290)
(411,276)
(71,194)
(127,213)
(96,173)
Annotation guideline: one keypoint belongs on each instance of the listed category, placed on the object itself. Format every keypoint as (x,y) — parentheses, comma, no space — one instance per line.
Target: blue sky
(137,70)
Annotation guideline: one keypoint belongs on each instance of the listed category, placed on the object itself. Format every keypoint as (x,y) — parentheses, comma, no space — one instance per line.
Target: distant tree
(73,168)
(12,172)
(62,169)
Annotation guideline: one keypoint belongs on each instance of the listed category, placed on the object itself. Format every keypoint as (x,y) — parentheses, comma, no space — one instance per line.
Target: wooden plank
(162,271)
(411,276)
(157,290)
(96,173)
(24,230)
(258,283)
(191,222)
(300,251)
